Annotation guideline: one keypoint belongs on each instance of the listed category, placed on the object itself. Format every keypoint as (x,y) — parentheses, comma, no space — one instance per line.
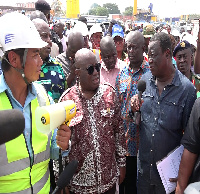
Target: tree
(102,11)
(128,11)
(112,8)
(93,9)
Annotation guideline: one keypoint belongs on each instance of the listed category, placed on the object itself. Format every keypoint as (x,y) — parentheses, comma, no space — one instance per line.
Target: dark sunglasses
(90,69)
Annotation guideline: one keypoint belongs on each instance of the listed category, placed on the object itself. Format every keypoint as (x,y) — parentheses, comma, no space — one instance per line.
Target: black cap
(181,46)
(42,5)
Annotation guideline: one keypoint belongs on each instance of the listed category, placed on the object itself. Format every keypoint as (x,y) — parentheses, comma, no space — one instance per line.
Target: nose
(150,60)
(182,59)
(40,61)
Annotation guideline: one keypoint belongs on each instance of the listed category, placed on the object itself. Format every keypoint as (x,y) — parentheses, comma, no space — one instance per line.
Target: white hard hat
(95,28)
(81,27)
(18,31)
(175,32)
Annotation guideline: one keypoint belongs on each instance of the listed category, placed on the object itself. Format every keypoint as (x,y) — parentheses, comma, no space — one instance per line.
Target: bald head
(39,23)
(135,35)
(75,42)
(82,56)
(38,14)
(107,44)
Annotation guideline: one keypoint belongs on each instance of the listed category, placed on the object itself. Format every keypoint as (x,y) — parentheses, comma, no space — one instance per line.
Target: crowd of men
(116,152)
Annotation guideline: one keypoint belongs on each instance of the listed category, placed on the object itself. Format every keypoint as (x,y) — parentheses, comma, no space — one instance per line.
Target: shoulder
(185,82)
(69,94)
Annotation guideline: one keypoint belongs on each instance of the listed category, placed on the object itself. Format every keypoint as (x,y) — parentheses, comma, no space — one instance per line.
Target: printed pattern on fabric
(126,88)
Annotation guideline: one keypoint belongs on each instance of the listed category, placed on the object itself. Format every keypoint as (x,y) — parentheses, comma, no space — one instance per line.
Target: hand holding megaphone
(50,117)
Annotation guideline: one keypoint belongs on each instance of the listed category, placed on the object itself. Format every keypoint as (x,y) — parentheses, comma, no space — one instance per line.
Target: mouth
(96,80)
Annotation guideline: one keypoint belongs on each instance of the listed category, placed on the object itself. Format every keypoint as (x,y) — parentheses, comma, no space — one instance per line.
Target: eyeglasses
(90,69)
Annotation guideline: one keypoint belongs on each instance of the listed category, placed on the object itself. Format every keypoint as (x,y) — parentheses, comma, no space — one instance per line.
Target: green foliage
(128,11)
(102,11)
(112,8)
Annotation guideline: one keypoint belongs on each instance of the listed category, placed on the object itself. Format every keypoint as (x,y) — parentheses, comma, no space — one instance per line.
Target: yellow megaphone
(50,117)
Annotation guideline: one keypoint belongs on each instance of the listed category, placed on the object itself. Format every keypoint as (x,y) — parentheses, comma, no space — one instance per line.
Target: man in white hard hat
(24,160)
(95,38)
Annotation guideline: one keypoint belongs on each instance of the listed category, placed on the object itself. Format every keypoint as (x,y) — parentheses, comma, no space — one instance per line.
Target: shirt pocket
(146,108)
(171,114)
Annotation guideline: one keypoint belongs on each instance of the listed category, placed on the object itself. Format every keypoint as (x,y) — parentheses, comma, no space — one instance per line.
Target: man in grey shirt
(66,59)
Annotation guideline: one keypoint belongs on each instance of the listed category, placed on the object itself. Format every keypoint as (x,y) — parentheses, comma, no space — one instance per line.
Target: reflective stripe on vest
(15,169)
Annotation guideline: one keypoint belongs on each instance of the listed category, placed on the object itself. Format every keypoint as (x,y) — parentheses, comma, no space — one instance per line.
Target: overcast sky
(163,8)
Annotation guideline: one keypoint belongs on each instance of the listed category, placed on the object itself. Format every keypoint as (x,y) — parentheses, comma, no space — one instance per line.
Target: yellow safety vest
(17,175)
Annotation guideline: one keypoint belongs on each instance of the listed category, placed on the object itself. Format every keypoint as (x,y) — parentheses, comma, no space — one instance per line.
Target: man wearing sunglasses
(98,140)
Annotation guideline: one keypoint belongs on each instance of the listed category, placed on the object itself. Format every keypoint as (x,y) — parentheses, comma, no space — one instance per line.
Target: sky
(163,8)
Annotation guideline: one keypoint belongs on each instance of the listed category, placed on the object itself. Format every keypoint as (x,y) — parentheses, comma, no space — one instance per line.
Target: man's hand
(135,103)
(63,137)
(122,174)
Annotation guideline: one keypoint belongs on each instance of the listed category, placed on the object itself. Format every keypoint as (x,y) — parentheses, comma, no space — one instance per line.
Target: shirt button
(151,164)
(151,150)
(164,89)
(158,102)
(153,135)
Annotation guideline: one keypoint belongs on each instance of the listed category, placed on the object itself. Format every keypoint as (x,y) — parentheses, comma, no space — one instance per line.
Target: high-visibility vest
(17,174)
(97,53)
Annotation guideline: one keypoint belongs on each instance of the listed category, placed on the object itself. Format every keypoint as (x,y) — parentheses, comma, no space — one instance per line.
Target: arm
(197,55)
(186,167)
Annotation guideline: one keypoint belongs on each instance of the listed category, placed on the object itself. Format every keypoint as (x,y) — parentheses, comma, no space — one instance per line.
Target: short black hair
(5,66)
(165,42)
(42,5)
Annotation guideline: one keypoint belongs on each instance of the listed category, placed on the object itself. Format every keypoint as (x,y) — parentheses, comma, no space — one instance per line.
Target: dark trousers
(128,186)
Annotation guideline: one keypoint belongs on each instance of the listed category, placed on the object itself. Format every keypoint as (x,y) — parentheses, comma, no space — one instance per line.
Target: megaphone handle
(67,122)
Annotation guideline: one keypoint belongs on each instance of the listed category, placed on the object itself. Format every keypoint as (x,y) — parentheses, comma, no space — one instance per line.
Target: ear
(13,58)
(168,53)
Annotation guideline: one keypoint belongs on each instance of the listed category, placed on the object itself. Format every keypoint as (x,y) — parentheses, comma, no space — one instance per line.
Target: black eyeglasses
(90,69)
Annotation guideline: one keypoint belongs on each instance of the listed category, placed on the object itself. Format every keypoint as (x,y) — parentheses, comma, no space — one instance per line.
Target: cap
(117,30)
(181,46)
(81,27)
(19,32)
(148,31)
(95,28)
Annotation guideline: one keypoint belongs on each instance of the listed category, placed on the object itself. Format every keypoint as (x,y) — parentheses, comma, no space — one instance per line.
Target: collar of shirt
(4,87)
(176,80)
(117,65)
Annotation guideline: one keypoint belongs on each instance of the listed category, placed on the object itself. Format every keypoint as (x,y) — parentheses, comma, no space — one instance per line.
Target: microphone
(141,86)
(66,175)
(12,124)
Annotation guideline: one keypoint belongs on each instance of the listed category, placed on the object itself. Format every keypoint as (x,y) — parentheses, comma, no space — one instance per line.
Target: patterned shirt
(126,87)
(53,78)
(97,140)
